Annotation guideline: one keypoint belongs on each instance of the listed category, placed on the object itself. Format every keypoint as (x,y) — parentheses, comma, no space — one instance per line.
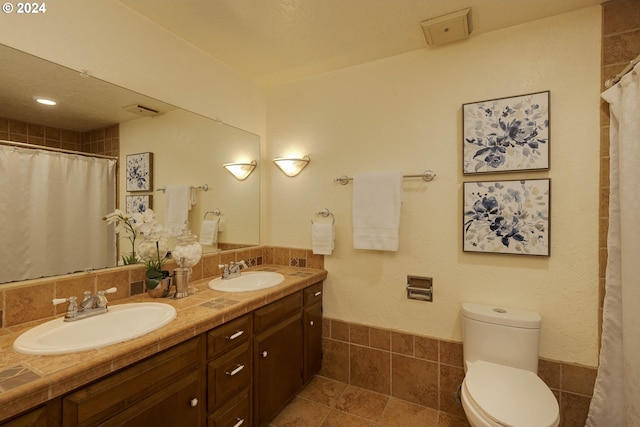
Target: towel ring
(325,213)
(215,212)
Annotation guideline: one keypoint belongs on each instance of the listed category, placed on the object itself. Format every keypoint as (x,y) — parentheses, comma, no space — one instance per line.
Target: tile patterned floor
(328,403)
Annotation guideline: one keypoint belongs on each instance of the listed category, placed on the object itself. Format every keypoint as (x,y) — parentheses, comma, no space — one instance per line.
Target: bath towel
(209,232)
(322,238)
(177,205)
(377,198)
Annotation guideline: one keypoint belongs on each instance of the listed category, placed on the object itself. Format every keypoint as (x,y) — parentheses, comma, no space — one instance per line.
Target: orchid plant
(128,224)
(153,250)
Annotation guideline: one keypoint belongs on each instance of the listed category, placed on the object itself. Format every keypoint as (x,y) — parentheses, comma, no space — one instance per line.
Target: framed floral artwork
(508,217)
(506,134)
(140,172)
(138,203)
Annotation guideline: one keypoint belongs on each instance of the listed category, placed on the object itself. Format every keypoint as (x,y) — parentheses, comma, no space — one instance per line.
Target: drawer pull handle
(235,371)
(264,353)
(194,402)
(239,423)
(317,294)
(234,335)
(311,323)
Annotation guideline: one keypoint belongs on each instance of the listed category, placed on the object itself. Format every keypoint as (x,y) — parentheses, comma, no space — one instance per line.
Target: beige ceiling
(271,42)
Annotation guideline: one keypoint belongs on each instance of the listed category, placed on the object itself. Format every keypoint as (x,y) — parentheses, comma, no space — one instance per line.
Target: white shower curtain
(51,209)
(616,397)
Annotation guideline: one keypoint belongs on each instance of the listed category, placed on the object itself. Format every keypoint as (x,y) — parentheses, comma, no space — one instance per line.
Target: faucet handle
(101,300)
(57,301)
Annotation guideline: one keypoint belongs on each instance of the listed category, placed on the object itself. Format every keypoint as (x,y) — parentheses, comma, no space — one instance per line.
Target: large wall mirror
(96,116)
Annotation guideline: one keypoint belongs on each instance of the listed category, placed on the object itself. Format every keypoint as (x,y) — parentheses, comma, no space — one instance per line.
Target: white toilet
(501,386)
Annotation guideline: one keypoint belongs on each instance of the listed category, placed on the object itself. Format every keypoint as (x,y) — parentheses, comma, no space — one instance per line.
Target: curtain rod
(622,73)
(57,150)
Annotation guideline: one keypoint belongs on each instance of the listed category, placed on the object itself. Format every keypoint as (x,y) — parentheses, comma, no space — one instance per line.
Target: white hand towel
(322,238)
(209,232)
(177,205)
(377,198)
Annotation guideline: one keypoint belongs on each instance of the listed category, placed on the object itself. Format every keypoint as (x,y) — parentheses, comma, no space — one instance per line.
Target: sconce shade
(291,166)
(240,170)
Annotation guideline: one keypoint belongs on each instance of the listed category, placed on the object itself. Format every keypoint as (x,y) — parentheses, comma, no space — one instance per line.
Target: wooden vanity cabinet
(312,320)
(166,389)
(278,356)
(239,374)
(47,415)
(229,374)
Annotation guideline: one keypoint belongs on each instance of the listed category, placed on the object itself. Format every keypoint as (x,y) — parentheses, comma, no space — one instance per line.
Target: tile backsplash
(30,300)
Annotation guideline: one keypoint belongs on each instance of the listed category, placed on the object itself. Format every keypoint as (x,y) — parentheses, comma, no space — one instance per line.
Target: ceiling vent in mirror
(141,110)
(448,28)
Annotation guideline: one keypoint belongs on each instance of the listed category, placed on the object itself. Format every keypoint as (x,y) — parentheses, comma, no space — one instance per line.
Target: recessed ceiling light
(46,101)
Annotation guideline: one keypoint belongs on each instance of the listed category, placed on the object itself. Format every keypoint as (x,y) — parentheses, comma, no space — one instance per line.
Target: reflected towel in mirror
(209,232)
(177,205)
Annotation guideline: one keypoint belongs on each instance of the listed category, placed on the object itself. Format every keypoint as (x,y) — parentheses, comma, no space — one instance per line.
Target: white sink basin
(120,323)
(249,281)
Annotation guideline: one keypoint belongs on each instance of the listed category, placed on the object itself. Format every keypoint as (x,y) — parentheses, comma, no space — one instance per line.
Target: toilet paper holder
(420,288)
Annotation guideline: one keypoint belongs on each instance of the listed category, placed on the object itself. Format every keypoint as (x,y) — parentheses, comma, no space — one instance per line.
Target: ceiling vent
(448,28)
(141,110)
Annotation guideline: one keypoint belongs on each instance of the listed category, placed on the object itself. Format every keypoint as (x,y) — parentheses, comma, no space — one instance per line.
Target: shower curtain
(616,396)
(51,209)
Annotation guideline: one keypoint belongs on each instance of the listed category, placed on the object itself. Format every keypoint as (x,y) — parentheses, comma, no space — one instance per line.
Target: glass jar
(187,252)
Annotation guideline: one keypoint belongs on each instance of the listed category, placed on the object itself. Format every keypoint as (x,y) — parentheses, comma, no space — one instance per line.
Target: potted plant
(153,252)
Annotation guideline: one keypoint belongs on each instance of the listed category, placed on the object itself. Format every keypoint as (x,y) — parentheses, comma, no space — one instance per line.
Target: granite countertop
(27,381)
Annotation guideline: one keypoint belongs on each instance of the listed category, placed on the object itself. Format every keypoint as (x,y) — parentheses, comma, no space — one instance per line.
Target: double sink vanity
(233,354)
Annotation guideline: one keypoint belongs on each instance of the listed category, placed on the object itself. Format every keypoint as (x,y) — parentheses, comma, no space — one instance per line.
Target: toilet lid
(511,397)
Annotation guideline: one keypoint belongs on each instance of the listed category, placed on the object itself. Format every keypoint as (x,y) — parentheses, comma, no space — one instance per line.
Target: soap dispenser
(188,252)
(181,279)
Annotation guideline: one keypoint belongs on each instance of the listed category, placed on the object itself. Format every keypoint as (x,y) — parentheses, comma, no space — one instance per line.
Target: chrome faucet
(90,305)
(232,269)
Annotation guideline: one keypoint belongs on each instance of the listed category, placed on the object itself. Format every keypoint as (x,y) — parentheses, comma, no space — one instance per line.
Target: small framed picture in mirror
(138,203)
(140,172)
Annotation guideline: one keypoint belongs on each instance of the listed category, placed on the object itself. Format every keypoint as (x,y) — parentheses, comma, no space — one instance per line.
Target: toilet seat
(509,396)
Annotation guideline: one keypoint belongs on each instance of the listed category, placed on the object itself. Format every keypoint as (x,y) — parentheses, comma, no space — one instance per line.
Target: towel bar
(203,187)
(427,175)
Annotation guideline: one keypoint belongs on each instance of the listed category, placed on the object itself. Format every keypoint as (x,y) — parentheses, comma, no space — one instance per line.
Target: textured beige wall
(404,113)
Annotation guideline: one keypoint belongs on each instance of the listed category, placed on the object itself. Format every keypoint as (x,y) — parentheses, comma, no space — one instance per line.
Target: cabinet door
(104,399)
(312,340)
(277,368)
(180,404)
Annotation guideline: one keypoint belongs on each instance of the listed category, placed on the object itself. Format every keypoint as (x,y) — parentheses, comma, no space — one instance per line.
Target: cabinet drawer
(92,404)
(228,375)
(277,311)
(235,414)
(228,336)
(312,294)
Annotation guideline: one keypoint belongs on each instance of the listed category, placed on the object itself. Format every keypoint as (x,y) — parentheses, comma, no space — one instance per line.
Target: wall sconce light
(240,170)
(291,166)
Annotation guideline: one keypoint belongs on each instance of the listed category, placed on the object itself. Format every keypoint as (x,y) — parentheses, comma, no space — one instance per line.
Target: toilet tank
(499,335)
